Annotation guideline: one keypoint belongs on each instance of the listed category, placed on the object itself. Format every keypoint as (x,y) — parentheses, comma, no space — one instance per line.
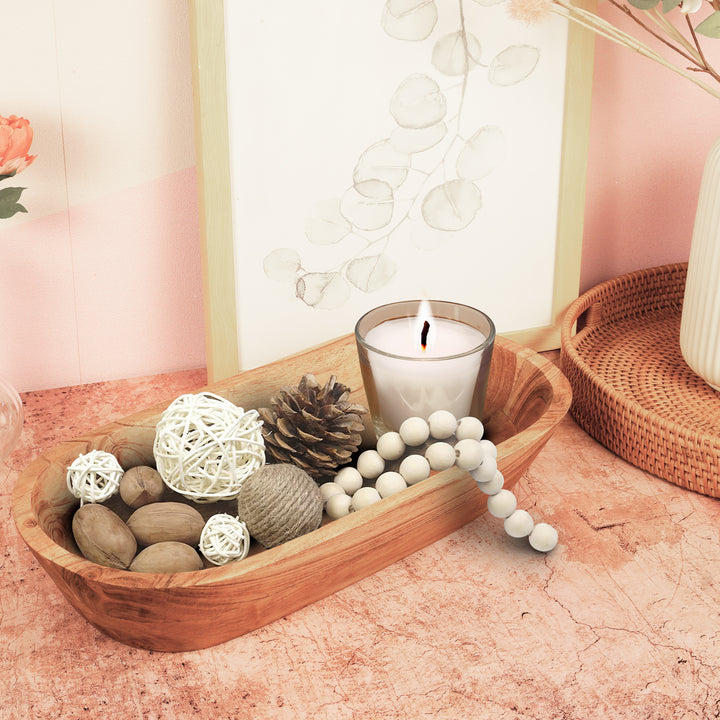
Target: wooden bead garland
(206,446)
(471,452)
(94,476)
(224,538)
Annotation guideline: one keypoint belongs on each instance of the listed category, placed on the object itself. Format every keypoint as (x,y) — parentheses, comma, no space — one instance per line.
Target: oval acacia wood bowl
(527,397)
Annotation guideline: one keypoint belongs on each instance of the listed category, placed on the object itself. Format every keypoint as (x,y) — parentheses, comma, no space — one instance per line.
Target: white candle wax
(421,379)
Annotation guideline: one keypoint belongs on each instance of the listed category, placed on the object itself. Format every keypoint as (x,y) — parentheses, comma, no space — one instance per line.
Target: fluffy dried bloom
(530,11)
(15,139)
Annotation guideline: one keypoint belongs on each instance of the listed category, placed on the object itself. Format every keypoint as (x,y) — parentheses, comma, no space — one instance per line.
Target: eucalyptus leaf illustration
(368,205)
(382,161)
(370,273)
(282,264)
(456,53)
(482,153)
(417,140)
(409,19)
(327,226)
(513,64)
(323,290)
(418,102)
(452,205)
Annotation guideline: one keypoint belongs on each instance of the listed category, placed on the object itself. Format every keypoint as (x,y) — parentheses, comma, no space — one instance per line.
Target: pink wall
(650,133)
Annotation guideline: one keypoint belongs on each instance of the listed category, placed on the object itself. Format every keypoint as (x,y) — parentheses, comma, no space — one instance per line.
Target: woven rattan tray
(632,390)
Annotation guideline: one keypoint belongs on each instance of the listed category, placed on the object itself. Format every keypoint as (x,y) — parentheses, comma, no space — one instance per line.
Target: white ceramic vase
(700,324)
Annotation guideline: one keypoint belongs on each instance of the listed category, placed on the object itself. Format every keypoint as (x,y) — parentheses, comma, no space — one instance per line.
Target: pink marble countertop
(621,620)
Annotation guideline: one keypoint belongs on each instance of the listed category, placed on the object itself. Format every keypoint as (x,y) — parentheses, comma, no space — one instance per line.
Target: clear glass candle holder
(419,356)
(11,418)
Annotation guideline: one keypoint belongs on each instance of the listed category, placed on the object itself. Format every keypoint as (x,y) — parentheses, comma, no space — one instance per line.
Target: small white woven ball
(224,538)
(94,476)
(206,446)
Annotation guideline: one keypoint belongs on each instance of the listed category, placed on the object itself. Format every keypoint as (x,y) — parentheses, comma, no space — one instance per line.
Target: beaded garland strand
(470,452)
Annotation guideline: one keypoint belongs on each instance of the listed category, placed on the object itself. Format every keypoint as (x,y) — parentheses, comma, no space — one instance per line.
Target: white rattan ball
(206,446)
(94,476)
(224,538)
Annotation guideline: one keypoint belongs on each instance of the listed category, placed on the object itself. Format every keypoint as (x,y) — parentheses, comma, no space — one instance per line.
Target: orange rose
(15,139)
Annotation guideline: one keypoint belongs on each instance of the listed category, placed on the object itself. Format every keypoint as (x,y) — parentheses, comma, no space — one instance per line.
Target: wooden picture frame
(207,20)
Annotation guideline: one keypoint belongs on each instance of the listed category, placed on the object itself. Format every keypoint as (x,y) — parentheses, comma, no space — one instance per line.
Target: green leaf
(669,5)
(710,26)
(643,4)
(9,175)
(9,202)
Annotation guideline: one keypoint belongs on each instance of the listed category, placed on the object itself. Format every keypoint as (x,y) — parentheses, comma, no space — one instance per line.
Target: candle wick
(424,334)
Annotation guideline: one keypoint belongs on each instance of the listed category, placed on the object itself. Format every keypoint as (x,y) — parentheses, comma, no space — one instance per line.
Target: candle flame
(425,328)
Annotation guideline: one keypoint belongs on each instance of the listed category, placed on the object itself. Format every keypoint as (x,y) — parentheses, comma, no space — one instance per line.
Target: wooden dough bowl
(527,397)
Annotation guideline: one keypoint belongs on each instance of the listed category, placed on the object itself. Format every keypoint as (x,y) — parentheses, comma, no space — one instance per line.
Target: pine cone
(317,429)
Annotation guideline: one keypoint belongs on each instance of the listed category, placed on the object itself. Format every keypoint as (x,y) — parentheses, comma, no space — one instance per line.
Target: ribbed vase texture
(700,324)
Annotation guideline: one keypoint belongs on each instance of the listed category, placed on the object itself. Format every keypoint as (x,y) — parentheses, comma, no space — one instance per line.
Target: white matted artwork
(384,152)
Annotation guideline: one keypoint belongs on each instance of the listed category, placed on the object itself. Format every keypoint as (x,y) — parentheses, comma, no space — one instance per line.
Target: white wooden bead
(485,472)
(363,497)
(469,427)
(494,486)
(502,504)
(414,468)
(440,455)
(390,446)
(543,537)
(519,524)
(442,424)
(489,447)
(328,489)
(469,454)
(414,431)
(370,464)
(390,483)
(338,506)
(349,479)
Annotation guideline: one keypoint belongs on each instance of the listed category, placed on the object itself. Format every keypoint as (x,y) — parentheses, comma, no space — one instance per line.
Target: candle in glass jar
(417,364)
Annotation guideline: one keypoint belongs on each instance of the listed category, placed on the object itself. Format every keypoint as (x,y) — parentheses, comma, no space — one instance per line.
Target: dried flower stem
(605,29)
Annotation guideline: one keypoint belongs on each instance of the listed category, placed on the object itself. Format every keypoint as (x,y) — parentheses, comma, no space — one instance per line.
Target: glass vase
(700,323)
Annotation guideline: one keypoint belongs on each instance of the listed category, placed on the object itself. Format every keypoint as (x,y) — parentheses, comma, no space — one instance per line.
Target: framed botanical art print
(355,154)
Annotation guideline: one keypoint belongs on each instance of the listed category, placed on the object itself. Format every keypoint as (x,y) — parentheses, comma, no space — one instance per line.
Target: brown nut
(103,537)
(140,486)
(166,522)
(167,557)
